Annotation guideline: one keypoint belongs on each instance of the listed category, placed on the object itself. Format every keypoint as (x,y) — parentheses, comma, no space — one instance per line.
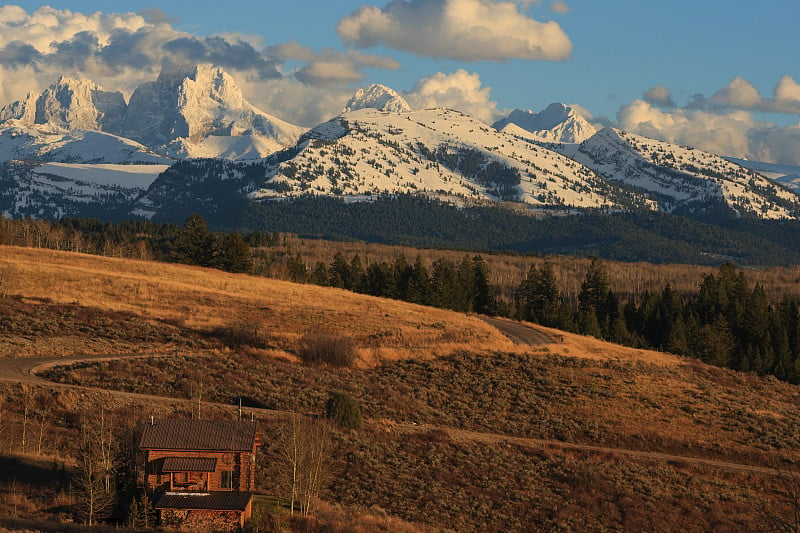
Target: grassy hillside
(199,302)
(464,431)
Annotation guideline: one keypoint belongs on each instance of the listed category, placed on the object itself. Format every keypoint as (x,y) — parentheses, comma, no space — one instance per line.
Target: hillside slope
(483,436)
(204,299)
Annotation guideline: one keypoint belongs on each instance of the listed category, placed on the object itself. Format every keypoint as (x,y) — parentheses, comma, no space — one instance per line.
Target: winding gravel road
(519,333)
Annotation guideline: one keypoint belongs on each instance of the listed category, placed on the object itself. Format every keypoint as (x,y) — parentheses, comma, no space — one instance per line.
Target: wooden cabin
(201,472)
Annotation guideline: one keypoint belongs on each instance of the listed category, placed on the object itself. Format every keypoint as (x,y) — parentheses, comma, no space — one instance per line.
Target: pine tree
(236,256)
(195,245)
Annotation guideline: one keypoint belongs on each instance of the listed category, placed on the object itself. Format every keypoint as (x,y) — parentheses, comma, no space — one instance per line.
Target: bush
(328,347)
(344,410)
(244,331)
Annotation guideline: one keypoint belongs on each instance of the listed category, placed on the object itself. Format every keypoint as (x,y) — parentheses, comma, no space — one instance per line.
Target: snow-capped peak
(377,96)
(557,123)
(70,103)
(189,105)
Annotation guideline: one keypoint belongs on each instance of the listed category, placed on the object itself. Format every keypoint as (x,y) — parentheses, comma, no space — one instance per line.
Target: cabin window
(226,479)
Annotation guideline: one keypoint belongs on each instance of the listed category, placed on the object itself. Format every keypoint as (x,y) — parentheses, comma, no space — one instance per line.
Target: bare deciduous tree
(305,445)
(94,483)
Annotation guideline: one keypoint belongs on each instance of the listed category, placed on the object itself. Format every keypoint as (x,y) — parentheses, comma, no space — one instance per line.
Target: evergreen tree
(588,324)
(594,290)
(195,244)
(236,256)
(474,276)
(539,296)
(379,280)
(296,268)
(446,290)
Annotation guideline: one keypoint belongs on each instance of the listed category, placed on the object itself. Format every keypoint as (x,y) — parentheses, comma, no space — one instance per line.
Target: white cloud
(739,94)
(660,96)
(122,50)
(460,90)
(560,7)
(297,102)
(467,30)
(731,132)
(787,90)
(331,68)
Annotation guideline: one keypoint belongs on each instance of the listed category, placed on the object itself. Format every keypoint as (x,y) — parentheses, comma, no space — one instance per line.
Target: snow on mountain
(557,123)
(377,96)
(126,176)
(70,104)
(787,175)
(681,178)
(239,147)
(196,104)
(43,143)
(438,151)
(56,190)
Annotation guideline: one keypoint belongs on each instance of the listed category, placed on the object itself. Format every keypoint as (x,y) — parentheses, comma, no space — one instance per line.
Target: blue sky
(603,56)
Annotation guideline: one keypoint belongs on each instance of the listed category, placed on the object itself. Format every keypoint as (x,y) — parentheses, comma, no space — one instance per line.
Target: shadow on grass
(32,472)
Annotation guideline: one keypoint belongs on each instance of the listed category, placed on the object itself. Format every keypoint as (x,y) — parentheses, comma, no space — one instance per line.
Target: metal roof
(189,464)
(206,435)
(210,501)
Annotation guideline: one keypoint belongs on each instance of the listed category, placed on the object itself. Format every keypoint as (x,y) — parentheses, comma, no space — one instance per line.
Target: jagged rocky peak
(197,102)
(377,96)
(70,103)
(557,123)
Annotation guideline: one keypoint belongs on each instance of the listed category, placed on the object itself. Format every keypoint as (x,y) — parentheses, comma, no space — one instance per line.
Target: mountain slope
(441,152)
(683,179)
(787,175)
(557,123)
(42,143)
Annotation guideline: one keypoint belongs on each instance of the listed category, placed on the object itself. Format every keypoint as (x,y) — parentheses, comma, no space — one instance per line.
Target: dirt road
(461,435)
(21,370)
(519,333)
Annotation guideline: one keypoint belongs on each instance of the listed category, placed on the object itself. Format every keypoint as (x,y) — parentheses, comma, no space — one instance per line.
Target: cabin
(201,473)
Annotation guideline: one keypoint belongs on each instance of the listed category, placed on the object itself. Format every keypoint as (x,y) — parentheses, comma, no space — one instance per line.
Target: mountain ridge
(556,123)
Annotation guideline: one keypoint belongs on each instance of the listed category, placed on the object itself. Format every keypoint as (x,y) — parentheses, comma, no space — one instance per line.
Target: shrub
(243,331)
(323,346)
(344,410)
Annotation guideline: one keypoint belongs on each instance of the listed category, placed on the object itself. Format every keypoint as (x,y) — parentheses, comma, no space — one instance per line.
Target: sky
(721,75)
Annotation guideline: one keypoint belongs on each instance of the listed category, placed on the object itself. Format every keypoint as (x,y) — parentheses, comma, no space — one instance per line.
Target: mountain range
(203,141)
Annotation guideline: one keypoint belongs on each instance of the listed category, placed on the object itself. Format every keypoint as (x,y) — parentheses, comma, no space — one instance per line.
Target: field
(463,431)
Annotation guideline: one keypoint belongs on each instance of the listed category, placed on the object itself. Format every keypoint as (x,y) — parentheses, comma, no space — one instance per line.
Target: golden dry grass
(203,299)
(574,345)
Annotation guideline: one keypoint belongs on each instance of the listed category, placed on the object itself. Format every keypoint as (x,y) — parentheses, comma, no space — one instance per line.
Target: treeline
(193,243)
(728,322)
(460,287)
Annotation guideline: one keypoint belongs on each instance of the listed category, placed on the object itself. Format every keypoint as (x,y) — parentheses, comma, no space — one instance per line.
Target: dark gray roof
(207,435)
(189,464)
(216,501)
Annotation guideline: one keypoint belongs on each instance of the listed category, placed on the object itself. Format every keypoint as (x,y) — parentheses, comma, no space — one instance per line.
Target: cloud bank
(122,50)
(727,131)
(465,30)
